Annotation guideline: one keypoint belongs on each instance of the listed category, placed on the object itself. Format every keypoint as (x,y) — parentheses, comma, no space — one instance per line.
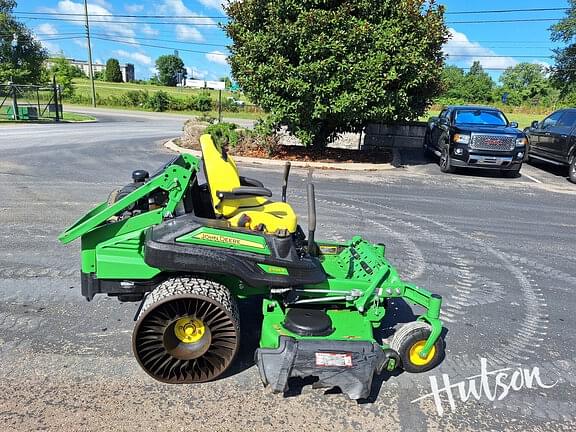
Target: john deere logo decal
(228,240)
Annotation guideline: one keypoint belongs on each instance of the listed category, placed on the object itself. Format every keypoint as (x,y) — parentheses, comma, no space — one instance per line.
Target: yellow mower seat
(242,209)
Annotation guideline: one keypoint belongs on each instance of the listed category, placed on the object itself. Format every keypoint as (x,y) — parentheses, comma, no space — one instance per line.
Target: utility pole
(15,113)
(91,71)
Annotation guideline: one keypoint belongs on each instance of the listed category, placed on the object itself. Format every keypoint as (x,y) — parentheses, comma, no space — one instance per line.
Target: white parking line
(535,180)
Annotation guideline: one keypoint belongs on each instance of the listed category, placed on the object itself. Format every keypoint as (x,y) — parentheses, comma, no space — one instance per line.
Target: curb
(344,166)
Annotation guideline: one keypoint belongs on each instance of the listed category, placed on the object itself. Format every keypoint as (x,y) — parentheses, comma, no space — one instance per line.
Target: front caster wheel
(409,340)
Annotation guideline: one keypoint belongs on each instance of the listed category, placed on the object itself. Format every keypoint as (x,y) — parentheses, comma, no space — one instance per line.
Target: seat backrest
(221,175)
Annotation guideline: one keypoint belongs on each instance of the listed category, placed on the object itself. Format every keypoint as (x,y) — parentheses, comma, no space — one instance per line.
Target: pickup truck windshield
(480,117)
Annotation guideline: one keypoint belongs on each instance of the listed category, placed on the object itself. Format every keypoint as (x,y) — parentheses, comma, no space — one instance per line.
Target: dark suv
(475,137)
(553,140)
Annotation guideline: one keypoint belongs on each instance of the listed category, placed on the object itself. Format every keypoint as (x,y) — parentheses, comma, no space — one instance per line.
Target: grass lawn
(225,114)
(68,117)
(105,89)
(76,117)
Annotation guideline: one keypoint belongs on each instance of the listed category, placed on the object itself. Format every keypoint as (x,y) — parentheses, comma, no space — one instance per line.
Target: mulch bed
(249,148)
(298,153)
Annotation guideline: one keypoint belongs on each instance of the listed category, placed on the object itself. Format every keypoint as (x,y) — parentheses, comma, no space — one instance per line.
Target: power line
(61,38)
(497,56)
(123,22)
(123,16)
(44,34)
(163,40)
(157,46)
(507,11)
(472,12)
(505,21)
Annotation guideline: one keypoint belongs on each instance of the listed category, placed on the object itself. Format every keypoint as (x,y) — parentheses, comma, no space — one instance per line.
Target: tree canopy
(113,72)
(64,73)
(478,85)
(564,31)
(325,67)
(21,56)
(168,68)
(526,83)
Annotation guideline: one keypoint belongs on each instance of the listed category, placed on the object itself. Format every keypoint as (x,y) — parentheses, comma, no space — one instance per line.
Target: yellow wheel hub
(189,330)
(414,354)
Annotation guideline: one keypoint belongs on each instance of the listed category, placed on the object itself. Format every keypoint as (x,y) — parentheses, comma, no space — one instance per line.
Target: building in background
(127,69)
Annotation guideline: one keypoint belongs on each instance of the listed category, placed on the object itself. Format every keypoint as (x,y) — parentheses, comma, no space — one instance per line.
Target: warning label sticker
(333,359)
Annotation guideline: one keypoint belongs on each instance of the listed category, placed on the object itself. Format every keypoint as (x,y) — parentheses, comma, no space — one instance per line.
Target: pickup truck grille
(492,142)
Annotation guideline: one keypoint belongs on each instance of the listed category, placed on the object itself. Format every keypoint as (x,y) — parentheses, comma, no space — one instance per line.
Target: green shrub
(137,98)
(178,104)
(229,105)
(207,118)
(159,101)
(224,134)
(201,102)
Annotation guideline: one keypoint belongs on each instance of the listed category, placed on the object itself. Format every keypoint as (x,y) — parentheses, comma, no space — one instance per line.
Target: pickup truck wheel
(446,161)
(572,169)
(426,144)
(510,173)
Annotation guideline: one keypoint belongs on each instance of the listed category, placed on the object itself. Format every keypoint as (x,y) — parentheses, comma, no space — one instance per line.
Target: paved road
(500,251)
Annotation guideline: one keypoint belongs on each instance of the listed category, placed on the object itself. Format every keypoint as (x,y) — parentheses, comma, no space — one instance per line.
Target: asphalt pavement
(500,251)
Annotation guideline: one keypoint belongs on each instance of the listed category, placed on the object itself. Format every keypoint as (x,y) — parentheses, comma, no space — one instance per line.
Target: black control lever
(285,185)
(311,220)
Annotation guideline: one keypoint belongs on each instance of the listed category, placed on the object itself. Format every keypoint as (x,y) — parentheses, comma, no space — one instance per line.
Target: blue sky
(202,45)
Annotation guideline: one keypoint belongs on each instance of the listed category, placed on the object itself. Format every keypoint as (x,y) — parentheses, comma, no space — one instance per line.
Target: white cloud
(153,70)
(188,33)
(214,4)
(47,30)
(102,3)
(148,30)
(52,48)
(141,58)
(104,20)
(196,73)
(136,57)
(217,57)
(134,8)
(177,7)
(462,51)
(81,43)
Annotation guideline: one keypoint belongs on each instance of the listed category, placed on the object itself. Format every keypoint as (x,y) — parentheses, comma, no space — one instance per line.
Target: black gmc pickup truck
(475,137)
(553,140)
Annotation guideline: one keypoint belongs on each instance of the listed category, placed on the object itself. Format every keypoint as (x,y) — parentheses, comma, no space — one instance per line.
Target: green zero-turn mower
(188,250)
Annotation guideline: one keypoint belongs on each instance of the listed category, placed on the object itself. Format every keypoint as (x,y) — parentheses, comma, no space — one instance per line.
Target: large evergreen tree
(169,66)
(329,66)
(453,80)
(113,72)
(21,56)
(478,85)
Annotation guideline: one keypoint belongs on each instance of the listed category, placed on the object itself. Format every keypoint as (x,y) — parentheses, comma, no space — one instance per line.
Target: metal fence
(30,102)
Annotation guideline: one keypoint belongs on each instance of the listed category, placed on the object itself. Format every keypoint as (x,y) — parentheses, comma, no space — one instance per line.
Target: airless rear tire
(187,332)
